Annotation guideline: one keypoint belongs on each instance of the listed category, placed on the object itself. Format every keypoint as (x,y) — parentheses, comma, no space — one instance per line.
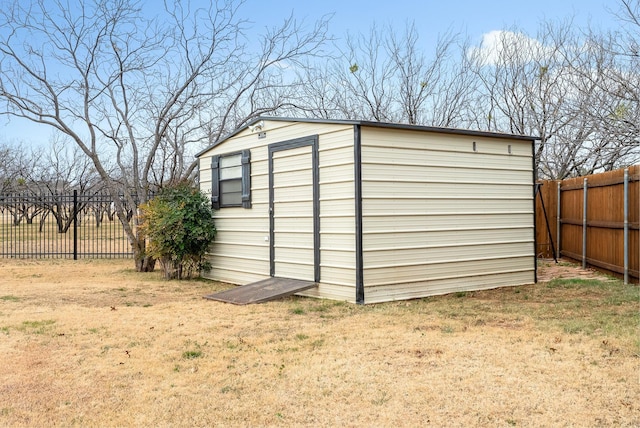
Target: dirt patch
(548,269)
(95,343)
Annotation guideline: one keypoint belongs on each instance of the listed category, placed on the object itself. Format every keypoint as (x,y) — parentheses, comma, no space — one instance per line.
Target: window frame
(245,163)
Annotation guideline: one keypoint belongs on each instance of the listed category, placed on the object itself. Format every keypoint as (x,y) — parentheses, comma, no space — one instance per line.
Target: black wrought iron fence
(61,226)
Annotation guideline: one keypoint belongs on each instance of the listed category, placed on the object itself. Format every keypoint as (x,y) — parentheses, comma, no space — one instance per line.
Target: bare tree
(428,89)
(384,76)
(138,94)
(367,73)
(60,170)
(618,69)
(453,103)
(603,95)
(60,167)
(39,180)
(323,96)
(605,125)
(538,86)
(15,165)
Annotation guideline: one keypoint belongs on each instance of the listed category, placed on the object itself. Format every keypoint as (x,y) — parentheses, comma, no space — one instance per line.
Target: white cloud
(500,46)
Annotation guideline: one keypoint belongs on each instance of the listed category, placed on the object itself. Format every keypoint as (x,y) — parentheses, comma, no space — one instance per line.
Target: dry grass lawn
(93,343)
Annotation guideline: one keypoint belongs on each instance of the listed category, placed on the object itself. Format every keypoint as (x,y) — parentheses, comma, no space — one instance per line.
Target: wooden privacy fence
(593,219)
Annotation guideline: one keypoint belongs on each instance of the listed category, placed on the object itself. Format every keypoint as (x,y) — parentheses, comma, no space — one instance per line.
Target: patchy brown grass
(94,343)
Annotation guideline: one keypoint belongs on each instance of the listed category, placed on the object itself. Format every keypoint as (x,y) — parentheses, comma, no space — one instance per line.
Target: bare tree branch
(140,95)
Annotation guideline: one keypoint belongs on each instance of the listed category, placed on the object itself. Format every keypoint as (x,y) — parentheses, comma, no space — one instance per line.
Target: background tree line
(132,97)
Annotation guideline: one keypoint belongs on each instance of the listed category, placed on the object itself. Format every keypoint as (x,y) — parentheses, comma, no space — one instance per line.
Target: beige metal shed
(370,211)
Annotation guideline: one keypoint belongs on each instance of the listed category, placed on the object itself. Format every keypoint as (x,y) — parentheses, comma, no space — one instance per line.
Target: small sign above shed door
(293,209)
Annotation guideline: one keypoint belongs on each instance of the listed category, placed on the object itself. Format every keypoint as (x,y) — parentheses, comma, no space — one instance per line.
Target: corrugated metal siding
(465,270)
(330,291)
(443,286)
(242,229)
(440,217)
(337,217)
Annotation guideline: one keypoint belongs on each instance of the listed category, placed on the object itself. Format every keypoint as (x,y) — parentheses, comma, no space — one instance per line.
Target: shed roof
(375,124)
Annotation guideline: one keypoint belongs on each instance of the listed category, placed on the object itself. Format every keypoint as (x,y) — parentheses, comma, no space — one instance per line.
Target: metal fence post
(559,221)
(584,224)
(626,226)
(75,225)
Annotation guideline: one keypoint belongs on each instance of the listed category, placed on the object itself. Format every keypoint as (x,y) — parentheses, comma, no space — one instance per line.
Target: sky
(473,18)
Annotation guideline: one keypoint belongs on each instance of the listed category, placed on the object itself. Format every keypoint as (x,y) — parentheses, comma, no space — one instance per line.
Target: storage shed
(371,212)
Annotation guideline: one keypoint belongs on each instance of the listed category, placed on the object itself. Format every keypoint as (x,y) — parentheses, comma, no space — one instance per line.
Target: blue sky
(470,17)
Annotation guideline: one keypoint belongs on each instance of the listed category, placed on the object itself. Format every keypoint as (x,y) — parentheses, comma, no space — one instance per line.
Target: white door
(294,210)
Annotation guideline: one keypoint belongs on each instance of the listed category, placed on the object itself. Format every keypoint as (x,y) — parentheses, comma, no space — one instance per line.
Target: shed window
(231,180)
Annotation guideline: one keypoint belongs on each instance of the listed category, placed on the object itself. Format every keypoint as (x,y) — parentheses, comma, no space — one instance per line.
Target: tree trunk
(171,269)
(45,214)
(144,262)
(98,214)
(16,218)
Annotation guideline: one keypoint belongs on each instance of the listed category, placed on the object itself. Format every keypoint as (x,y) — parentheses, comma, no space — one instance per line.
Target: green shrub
(179,225)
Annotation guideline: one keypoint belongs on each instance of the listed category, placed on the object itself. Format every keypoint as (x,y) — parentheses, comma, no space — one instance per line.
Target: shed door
(293,208)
